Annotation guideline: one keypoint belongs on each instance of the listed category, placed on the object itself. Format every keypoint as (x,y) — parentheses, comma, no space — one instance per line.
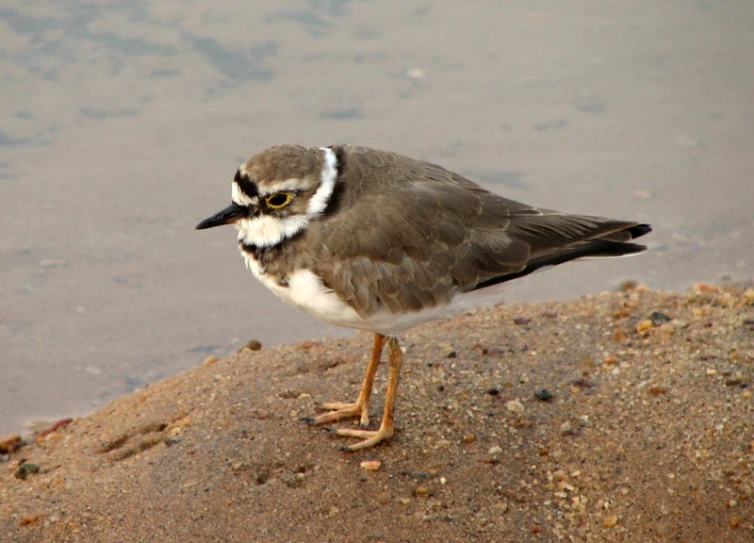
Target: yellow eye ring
(278,200)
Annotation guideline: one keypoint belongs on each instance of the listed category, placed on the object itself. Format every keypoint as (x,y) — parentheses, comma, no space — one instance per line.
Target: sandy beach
(618,417)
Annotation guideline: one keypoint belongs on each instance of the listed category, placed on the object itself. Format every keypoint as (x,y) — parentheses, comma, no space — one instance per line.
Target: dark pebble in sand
(25,469)
(658,318)
(543,395)
(252,345)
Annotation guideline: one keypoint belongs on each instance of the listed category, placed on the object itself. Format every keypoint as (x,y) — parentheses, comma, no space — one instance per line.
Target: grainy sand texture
(619,417)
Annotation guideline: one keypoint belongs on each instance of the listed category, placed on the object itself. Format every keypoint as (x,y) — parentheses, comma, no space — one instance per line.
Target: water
(123,123)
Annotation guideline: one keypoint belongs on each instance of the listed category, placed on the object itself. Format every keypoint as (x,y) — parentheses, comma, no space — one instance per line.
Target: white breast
(305,291)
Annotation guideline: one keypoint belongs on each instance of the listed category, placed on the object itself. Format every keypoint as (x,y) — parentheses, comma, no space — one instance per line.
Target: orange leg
(386,429)
(360,408)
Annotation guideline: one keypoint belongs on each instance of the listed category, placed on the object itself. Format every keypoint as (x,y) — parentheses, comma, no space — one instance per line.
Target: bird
(378,241)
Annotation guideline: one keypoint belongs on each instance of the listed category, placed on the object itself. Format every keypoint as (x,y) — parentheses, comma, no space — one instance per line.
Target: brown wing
(406,234)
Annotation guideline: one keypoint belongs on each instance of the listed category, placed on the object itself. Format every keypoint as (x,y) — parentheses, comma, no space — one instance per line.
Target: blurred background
(123,122)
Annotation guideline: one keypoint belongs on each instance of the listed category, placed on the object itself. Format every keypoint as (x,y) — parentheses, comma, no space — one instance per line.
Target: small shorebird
(378,241)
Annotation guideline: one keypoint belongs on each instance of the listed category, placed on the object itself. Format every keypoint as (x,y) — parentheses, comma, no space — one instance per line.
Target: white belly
(305,291)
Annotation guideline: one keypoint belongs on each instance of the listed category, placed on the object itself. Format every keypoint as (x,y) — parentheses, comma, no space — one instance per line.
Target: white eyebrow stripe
(289,185)
(321,198)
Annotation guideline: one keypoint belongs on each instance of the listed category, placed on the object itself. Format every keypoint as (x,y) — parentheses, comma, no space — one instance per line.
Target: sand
(620,417)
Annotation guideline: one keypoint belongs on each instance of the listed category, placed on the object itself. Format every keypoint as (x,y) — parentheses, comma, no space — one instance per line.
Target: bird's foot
(342,410)
(370,437)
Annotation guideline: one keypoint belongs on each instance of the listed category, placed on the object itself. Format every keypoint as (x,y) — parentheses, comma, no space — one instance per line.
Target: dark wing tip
(639,230)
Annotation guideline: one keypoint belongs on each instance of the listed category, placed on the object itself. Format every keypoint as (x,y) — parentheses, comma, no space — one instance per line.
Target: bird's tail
(610,244)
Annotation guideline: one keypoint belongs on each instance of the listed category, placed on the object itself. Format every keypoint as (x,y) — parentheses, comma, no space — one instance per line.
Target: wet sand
(123,125)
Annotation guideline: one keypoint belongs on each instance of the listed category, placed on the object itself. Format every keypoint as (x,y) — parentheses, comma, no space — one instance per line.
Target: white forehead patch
(240,197)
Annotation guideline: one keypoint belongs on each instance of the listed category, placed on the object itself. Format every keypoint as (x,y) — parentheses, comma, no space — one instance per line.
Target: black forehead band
(247,186)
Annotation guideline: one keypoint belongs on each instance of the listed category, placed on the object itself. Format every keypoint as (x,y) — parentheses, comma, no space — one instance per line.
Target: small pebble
(25,469)
(520,321)
(501,506)
(658,318)
(9,443)
(543,395)
(371,465)
(209,361)
(495,450)
(514,406)
(611,521)
(644,325)
(706,287)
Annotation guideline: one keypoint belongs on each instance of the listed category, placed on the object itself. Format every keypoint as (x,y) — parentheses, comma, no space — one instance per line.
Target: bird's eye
(278,200)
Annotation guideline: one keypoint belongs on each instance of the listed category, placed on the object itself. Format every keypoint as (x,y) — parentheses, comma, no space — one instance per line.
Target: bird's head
(277,192)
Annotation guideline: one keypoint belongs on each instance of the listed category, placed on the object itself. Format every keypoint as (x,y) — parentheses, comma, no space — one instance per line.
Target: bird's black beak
(228,215)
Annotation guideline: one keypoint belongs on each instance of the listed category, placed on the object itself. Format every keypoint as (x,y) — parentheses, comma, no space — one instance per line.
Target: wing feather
(408,234)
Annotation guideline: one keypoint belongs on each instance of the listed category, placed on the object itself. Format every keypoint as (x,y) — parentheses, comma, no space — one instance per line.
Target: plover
(379,241)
